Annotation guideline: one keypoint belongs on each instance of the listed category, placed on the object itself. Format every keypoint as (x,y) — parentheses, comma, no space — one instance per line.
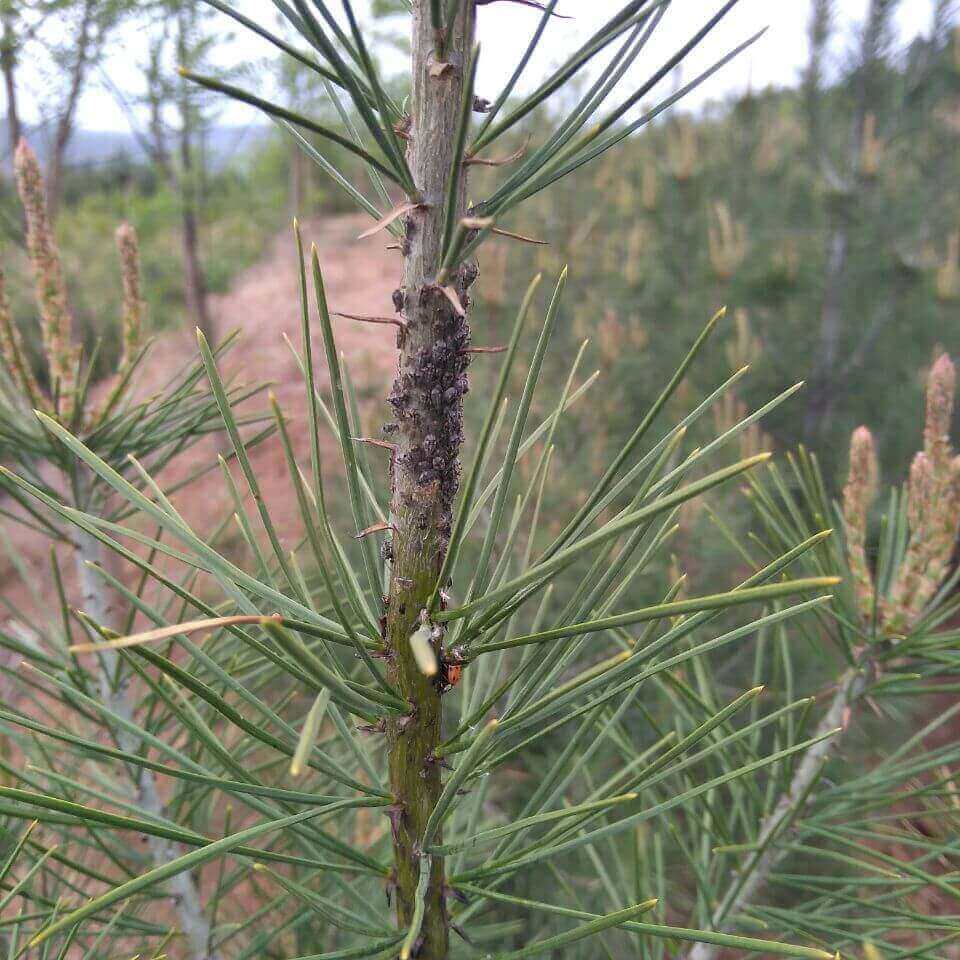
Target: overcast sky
(505,27)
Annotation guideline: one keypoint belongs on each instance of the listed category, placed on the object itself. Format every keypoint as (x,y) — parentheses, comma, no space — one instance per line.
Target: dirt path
(263,303)
(359,277)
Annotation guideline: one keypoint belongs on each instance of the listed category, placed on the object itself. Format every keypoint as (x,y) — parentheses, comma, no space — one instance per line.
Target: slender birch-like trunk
(427,400)
(771,849)
(105,606)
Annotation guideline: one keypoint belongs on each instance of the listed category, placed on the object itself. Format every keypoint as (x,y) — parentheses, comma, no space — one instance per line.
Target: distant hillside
(98,147)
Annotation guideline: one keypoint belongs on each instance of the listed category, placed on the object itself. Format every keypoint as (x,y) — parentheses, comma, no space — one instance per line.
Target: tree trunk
(189,181)
(825,383)
(194,280)
(64,128)
(105,606)
(8,64)
(753,878)
(427,399)
(819,31)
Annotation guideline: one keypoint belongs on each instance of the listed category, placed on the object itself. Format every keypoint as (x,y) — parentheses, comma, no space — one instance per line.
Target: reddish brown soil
(359,277)
(264,304)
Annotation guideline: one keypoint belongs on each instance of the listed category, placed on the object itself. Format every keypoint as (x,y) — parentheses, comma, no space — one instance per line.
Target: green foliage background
(644,270)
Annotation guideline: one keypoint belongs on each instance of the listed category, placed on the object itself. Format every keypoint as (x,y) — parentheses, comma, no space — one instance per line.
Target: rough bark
(427,400)
(106,607)
(753,878)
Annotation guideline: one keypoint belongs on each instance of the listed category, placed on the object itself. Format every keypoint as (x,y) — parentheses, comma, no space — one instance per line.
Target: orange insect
(449,675)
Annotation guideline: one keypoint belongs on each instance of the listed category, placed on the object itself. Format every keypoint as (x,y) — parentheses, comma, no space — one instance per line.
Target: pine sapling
(124,427)
(337,684)
(890,626)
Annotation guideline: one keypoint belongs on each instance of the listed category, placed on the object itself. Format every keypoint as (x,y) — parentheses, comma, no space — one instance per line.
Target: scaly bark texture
(427,400)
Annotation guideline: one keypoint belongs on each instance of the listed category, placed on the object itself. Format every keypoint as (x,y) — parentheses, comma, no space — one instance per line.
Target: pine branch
(753,878)
(272,689)
(103,605)
(427,399)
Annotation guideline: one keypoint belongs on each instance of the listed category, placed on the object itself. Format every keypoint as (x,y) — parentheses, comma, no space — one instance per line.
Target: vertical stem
(825,385)
(752,878)
(190,186)
(427,399)
(105,606)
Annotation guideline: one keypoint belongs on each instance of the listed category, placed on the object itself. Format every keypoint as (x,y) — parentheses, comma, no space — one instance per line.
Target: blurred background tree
(826,212)
(68,39)
(173,125)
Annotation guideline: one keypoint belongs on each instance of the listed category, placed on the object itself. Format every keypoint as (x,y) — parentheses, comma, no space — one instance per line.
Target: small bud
(948,271)
(871,147)
(864,471)
(727,242)
(941,388)
(682,149)
(858,495)
(649,187)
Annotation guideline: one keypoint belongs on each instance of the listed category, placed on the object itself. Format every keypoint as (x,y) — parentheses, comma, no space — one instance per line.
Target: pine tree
(336,733)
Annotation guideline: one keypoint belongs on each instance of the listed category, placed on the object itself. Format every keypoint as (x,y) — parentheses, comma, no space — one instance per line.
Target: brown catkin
(134,308)
(933,506)
(51,290)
